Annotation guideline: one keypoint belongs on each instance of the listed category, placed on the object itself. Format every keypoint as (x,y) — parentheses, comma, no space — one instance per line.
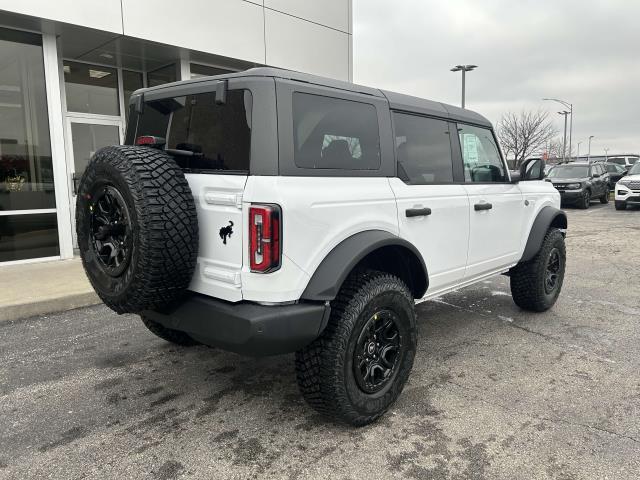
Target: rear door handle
(482,206)
(417,212)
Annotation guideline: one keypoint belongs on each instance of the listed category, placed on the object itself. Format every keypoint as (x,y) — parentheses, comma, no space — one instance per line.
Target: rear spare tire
(137,228)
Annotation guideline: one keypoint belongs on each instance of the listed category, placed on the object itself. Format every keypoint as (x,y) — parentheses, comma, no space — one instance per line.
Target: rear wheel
(168,334)
(605,196)
(621,205)
(357,368)
(536,284)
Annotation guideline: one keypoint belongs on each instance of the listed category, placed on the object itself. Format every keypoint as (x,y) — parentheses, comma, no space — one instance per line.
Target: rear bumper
(244,327)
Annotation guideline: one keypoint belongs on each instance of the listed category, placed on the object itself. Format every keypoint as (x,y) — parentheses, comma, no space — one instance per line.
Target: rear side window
(332,133)
(423,149)
(199,133)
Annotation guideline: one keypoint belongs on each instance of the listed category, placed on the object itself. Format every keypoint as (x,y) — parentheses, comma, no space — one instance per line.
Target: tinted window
(335,133)
(482,161)
(632,160)
(423,149)
(612,168)
(619,161)
(201,134)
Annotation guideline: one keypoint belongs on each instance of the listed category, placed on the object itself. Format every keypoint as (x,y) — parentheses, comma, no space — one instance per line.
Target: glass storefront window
(26,167)
(91,88)
(28,236)
(198,70)
(131,81)
(86,139)
(162,75)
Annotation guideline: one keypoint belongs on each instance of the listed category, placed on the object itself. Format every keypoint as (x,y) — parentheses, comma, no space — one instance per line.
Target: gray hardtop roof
(397,101)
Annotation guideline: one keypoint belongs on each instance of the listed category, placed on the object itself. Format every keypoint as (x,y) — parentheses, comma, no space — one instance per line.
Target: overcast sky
(584,52)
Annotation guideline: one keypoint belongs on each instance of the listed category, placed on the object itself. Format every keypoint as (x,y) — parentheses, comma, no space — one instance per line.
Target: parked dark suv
(578,183)
(616,172)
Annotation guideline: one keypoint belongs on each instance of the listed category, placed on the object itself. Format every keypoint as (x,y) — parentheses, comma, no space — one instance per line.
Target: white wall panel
(99,14)
(232,28)
(332,13)
(300,45)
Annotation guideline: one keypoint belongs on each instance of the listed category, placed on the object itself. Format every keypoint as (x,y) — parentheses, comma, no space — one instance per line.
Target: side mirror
(515,176)
(532,169)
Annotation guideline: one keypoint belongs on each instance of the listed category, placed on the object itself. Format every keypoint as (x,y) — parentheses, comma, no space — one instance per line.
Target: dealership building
(68,68)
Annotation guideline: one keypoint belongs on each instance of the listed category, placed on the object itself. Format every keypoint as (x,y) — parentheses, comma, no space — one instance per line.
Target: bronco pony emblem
(226,232)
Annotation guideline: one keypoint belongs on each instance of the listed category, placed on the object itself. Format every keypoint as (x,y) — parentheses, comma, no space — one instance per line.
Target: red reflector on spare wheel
(264,238)
(150,140)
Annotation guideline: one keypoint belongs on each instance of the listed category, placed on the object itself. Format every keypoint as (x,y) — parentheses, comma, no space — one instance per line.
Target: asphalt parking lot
(495,392)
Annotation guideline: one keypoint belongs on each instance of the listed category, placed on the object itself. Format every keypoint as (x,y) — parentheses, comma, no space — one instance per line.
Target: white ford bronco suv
(270,211)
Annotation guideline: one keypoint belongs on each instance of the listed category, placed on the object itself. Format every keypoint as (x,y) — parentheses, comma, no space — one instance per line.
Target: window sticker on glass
(470,145)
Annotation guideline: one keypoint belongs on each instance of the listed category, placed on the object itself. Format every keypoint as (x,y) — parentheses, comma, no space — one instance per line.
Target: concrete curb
(47,306)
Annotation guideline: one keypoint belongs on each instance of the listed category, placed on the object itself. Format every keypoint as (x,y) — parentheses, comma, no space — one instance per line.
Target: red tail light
(150,141)
(264,238)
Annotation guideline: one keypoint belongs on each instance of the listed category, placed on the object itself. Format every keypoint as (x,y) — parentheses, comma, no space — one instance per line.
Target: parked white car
(628,189)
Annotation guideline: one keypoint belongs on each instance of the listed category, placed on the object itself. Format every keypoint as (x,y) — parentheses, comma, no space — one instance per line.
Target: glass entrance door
(87,136)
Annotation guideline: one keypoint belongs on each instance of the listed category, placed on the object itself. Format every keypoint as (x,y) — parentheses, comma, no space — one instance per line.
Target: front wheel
(536,284)
(621,205)
(359,365)
(585,200)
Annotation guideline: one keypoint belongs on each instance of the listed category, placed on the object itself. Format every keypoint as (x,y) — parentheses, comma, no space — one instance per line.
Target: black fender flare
(334,268)
(547,217)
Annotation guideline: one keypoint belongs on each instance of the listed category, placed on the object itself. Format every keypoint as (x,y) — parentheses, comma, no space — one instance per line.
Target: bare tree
(525,133)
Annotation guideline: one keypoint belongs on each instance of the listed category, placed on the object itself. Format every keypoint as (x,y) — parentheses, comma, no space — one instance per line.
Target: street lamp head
(466,68)
(591,136)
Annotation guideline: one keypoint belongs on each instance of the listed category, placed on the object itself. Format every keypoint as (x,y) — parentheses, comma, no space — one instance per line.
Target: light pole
(564,143)
(464,69)
(578,156)
(570,107)
(589,154)
(606,154)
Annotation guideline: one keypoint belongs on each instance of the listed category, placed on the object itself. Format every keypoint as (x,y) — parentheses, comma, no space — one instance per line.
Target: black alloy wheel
(110,229)
(552,271)
(377,351)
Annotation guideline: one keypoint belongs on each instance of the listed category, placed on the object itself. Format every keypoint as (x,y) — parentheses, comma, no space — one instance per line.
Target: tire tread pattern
(527,278)
(165,229)
(320,365)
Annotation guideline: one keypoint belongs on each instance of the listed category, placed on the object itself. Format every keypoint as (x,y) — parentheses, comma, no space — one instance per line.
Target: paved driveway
(495,392)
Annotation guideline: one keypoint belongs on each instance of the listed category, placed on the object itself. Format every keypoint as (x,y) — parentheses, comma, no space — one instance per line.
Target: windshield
(635,170)
(569,171)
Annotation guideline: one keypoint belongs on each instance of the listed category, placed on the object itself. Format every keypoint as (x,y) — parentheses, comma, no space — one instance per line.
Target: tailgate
(218,201)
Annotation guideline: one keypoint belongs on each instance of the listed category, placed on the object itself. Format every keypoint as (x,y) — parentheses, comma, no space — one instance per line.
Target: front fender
(547,217)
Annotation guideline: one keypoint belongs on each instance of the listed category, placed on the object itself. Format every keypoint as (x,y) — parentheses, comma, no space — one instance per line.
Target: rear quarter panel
(317,214)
